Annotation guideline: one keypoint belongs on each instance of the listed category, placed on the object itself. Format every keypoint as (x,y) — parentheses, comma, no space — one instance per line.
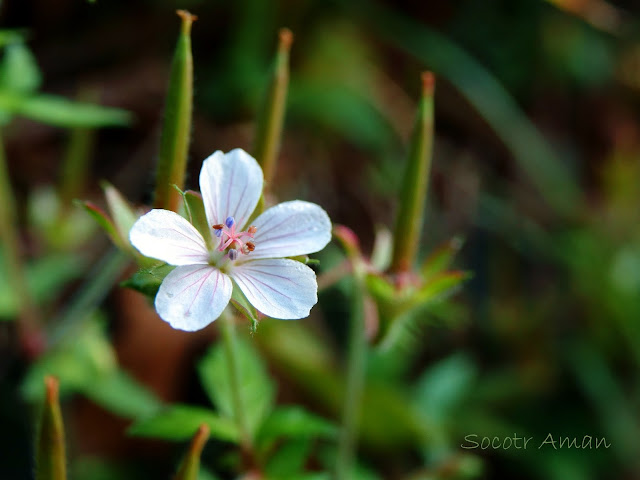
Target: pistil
(234,243)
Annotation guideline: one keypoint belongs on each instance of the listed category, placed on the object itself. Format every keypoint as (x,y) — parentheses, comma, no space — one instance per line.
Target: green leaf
(436,288)
(46,278)
(19,71)
(289,460)
(121,394)
(101,217)
(82,359)
(61,112)
(122,214)
(181,422)
(257,390)
(443,386)
(9,36)
(294,421)
(441,258)
(148,280)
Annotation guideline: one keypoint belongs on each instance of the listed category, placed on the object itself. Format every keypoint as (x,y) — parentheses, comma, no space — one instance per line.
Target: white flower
(196,292)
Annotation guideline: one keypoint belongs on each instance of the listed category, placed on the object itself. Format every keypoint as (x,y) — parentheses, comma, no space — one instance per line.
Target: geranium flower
(196,292)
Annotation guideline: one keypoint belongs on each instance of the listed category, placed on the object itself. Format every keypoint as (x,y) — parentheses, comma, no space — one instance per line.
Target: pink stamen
(238,241)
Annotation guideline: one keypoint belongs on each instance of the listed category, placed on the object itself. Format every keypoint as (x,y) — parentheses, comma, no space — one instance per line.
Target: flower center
(232,242)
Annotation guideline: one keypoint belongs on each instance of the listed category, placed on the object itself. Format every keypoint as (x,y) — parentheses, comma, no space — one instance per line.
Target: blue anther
(229,222)
(233,254)
(218,233)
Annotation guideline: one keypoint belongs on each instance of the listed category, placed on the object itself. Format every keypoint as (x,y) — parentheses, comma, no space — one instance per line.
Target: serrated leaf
(19,70)
(121,394)
(294,422)
(148,280)
(59,111)
(180,422)
(257,389)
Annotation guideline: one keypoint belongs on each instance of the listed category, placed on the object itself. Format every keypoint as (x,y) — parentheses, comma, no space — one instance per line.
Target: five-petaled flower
(197,291)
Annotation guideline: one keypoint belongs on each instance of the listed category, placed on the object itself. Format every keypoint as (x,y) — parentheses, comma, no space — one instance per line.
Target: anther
(252,230)
(229,222)
(248,247)
(233,254)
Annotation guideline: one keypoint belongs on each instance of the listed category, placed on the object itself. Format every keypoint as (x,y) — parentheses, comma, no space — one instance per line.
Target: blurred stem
(269,127)
(76,163)
(231,352)
(414,187)
(356,363)
(51,461)
(101,279)
(176,130)
(28,321)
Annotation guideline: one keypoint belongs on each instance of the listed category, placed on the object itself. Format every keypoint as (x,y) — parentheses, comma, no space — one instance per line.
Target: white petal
(167,236)
(289,229)
(193,296)
(231,185)
(278,287)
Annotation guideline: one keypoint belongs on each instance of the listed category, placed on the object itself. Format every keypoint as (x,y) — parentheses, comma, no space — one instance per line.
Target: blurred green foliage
(536,164)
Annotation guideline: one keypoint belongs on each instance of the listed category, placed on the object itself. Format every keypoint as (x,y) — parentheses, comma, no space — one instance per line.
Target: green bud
(191,463)
(269,127)
(176,130)
(51,461)
(414,187)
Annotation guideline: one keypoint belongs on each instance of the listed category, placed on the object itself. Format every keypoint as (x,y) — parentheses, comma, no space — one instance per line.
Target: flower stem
(176,130)
(28,320)
(356,363)
(414,187)
(231,352)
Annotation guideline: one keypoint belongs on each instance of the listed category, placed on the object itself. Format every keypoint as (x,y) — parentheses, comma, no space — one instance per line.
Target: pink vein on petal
(203,280)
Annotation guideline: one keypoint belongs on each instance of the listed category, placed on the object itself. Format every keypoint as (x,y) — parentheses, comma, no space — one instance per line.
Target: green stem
(102,277)
(28,321)
(75,168)
(414,187)
(231,351)
(356,364)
